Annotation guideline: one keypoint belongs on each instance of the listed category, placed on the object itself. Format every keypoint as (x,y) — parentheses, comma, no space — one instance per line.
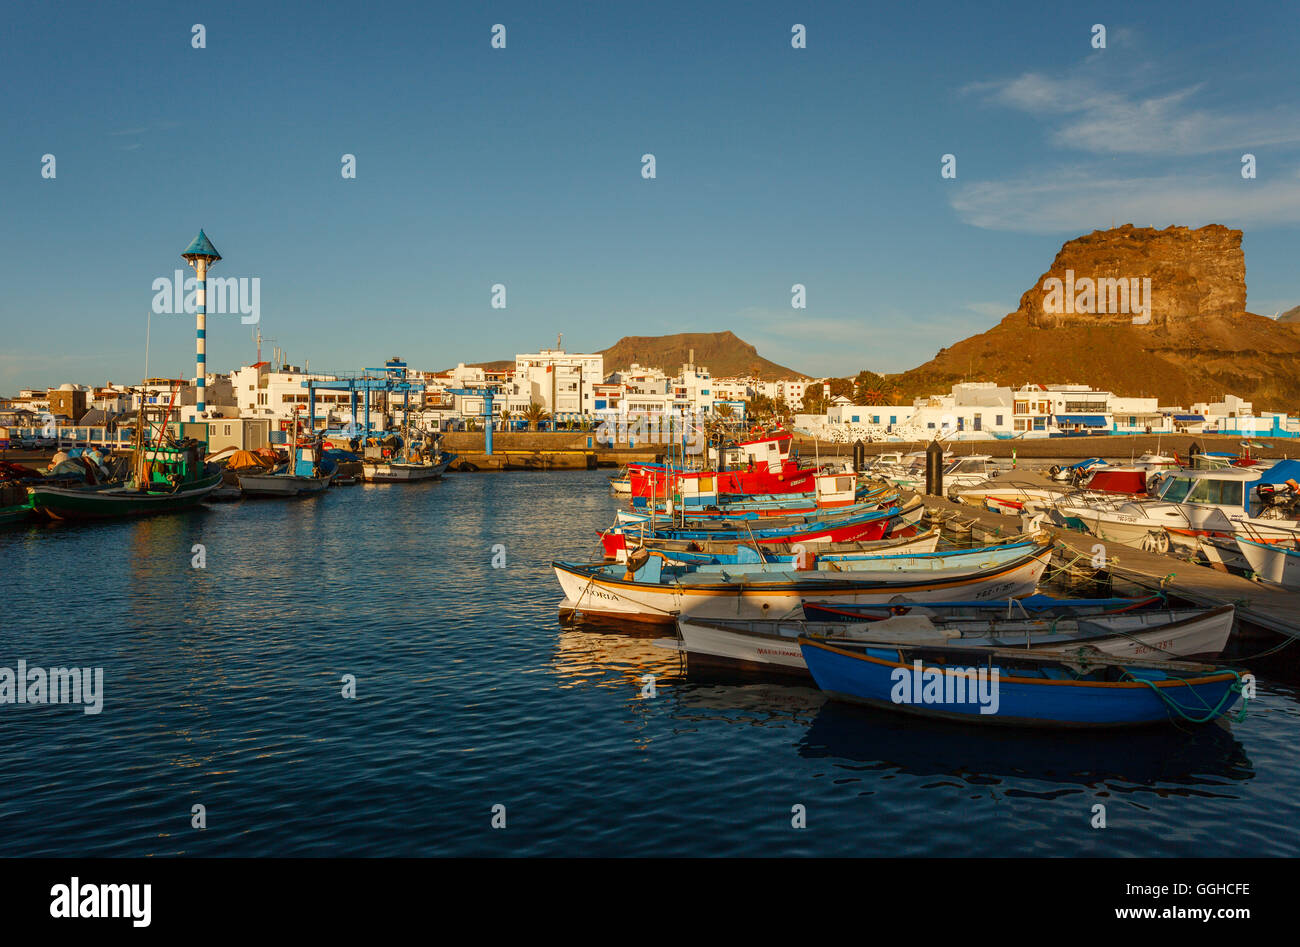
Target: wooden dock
(1260,608)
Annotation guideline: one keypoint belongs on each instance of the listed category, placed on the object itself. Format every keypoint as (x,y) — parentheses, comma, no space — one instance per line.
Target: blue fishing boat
(1070,688)
(838,528)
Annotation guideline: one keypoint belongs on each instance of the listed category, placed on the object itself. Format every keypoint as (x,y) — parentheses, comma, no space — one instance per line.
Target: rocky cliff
(1193,342)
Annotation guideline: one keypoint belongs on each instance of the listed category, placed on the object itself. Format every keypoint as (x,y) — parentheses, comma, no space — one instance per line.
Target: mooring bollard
(934,469)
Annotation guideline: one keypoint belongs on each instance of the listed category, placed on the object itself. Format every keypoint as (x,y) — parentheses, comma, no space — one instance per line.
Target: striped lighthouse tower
(201,254)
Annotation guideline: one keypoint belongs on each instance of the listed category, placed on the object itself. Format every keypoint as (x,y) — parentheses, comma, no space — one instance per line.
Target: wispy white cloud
(1083,114)
(887,341)
(1081,199)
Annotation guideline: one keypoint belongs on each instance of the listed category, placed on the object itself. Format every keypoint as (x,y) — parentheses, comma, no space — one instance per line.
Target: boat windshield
(1175,489)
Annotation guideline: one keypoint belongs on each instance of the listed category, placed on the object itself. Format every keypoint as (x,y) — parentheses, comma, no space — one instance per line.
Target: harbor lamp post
(201,254)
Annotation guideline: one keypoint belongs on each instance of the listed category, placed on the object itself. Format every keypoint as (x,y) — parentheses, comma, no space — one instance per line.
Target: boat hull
(781,594)
(281,485)
(1272,562)
(873,676)
(774,645)
(403,473)
(118,502)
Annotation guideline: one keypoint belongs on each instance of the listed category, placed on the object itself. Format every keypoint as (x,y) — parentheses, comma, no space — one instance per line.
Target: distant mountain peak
(724,354)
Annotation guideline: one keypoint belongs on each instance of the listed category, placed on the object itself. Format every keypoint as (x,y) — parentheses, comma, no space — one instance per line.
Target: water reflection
(1180,760)
(606,653)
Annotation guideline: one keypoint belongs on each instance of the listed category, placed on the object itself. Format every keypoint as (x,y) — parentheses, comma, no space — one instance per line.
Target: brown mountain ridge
(1198,345)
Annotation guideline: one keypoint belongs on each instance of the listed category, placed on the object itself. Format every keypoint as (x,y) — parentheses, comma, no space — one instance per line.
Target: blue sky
(522,166)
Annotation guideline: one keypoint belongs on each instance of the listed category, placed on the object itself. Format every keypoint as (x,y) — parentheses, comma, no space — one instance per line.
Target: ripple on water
(223,688)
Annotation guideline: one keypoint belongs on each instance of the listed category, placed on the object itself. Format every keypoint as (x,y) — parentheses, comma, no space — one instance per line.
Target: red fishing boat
(759,466)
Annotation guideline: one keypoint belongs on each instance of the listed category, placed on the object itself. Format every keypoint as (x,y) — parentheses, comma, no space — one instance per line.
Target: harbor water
(223,687)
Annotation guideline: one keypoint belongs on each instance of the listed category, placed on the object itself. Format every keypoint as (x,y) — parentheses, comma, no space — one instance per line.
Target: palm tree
(505,419)
(535,414)
(723,410)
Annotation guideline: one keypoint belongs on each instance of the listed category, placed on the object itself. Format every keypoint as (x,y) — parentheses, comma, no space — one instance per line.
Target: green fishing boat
(167,475)
(173,478)
(16,514)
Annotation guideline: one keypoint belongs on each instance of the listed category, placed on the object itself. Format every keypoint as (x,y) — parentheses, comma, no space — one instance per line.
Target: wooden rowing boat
(1083,688)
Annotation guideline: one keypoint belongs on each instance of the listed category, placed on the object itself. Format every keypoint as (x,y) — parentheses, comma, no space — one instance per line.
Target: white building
(561,382)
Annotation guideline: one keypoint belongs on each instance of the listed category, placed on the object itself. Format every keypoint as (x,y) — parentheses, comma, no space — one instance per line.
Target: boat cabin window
(1175,489)
(1216,492)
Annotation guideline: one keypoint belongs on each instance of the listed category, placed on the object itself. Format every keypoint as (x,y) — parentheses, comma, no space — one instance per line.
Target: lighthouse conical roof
(201,247)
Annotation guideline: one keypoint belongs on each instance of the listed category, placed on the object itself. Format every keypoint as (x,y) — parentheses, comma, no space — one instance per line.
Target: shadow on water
(1167,756)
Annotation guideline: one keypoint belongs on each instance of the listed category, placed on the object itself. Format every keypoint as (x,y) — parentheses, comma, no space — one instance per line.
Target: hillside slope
(1198,345)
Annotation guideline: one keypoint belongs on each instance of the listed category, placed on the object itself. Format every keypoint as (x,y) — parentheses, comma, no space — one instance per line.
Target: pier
(1262,610)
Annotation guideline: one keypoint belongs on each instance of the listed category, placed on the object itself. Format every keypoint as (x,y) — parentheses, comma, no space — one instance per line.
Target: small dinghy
(1080,688)
(771,644)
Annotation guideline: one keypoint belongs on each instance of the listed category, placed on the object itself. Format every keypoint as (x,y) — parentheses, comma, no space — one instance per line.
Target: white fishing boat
(408,470)
(1256,502)
(1277,563)
(969,471)
(906,471)
(407,456)
(308,471)
(621,485)
(772,644)
(652,590)
(308,475)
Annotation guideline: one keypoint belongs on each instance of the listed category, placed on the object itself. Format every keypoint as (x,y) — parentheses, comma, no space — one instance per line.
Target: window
(893,419)
(875,419)
(1216,493)
(979,422)
(1176,489)
(998,420)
